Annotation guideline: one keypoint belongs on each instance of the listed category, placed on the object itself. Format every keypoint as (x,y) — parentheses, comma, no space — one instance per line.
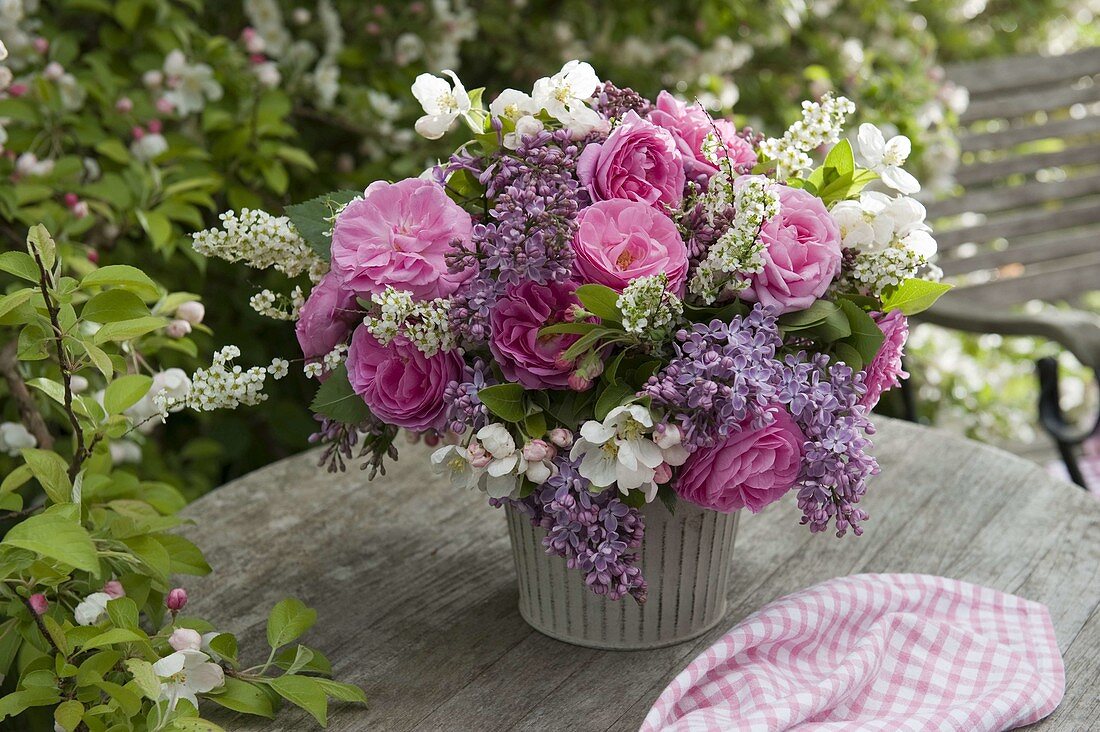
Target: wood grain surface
(416,594)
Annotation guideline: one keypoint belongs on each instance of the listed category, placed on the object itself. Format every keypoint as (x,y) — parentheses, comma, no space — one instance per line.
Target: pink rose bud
(185,639)
(71,199)
(662,474)
(17,90)
(192,311)
(39,604)
(124,105)
(137,133)
(155,126)
(536,451)
(561,437)
(178,328)
(114,589)
(41,44)
(578,382)
(164,105)
(176,599)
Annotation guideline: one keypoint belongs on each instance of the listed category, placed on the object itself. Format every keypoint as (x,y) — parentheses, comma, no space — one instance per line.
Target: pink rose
(619,240)
(752,468)
(399,234)
(689,126)
(400,384)
(885,371)
(801,253)
(524,356)
(638,161)
(326,317)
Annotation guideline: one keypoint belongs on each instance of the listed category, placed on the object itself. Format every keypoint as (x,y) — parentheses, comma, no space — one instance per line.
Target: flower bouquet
(622,319)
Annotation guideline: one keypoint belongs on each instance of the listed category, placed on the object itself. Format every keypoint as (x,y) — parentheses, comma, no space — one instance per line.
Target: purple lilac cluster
(723,375)
(464,410)
(700,231)
(527,233)
(596,533)
(340,438)
(613,102)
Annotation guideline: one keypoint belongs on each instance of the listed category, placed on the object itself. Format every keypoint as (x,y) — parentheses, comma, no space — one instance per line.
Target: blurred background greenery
(129,124)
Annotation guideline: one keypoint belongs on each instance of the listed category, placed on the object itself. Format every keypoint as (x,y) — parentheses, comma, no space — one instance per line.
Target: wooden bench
(1027,226)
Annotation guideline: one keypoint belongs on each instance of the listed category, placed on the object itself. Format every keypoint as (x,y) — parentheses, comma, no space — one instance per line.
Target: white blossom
(442,103)
(620,451)
(277,306)
(821,124)
(261,241)
(189,85)
(278,368)
(313,370)
(15,437)
(886,157)
(28,165)
(91,609)
(266,19)
(224,385)
(500,474)
(149,146)
(185,674)
(566,92)
(648,307)
(454,461)
(425,323)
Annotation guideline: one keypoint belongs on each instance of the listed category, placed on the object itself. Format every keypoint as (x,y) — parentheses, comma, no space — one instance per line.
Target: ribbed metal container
(685,558)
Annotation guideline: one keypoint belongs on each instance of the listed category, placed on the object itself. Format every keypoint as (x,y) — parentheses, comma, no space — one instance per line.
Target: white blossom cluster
(261,241)
(276,305)
(738,252)
(821,123)
(335,357)
(425,323)
(648,307)
(889,238)
(492,461)
(224,385)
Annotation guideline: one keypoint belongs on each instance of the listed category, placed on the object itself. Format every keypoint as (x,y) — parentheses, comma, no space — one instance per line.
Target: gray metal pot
(685,558)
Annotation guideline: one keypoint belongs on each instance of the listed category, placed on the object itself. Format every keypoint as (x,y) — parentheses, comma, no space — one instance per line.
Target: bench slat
(986,172)
(1011,197)
(1026,250)
(1008,138)
(992,75)
(1038,221)
(1069,277)
(1017,105)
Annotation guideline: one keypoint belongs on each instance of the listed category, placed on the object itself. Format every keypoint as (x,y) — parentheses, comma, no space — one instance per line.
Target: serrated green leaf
(125,391)
(311,219)
(14,300)
(336,399)
(68,715)
(123,613)
(225,645)
(586,342)
(114,636)
(157,226)
(504,400)
(186,557)
(866,338)
(841,157)
(342,692)
(288,620)
(19,701)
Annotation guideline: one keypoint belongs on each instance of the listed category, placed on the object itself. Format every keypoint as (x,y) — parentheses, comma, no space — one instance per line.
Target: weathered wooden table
(416,596)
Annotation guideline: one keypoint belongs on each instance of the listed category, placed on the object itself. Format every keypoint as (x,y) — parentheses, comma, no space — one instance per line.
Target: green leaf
(15,479)
(68,715)
(311,219)
(127,330)
(19,701)
(569,328)
(586,342)
(318,664)
(113,636)
(144,677)
(601,301)
(304,692)
(52,473)
(192,724)
(19,264)
(225,645)
(14,300)
(157,226)
(186,557)
(504,400)
(99,358)
(342,692)
(123,613)
(302,657)
(866,338)
(56,533)
(288,620)
(913,296)
(241,696)
(811,316)
(612,396)
(125,391)
(336,399)
(113,150)
(841,158)
(834,327)
(40,241)
(848,355)
(114,305)
(124,276)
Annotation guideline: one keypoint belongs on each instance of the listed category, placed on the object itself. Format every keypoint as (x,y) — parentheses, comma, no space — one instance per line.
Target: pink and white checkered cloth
(897,652)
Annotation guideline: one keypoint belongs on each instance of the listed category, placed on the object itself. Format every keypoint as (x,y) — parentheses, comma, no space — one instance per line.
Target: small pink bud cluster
(561,437)
(78,207)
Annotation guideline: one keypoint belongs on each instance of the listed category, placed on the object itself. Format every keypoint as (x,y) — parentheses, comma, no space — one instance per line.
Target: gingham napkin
(874,652)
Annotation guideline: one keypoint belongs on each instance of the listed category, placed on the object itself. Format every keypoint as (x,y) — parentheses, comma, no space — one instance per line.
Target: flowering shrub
(93,634)
(591,319)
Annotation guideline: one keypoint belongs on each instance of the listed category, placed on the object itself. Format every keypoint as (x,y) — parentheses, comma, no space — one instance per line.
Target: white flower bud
(192,311)
(178,328)
(78,383)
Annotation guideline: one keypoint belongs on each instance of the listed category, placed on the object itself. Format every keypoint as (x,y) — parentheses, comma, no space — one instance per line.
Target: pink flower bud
(662,474)
(137,133)
(53,71)
(93,256)
(185,639)
(114,589)
(192,311)
(80,210)
(578,382)
(257,58)
(155,126)
(536,451)
(124,105)
(372,28)
(178,328)
(39,604)
(71,199)
(248,34)
(41,44)
(17,90)
(479,457)
(431,439)
(164,105)
(176,599)
(561,437)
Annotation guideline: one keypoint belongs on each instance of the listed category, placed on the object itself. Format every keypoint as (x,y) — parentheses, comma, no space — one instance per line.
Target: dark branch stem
(28,409)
